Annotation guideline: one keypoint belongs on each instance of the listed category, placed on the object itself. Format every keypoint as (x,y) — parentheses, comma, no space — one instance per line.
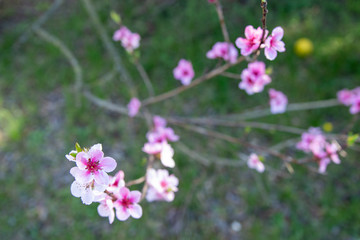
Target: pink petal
(241,42)
(81,160)
(278,33)
(107,164)
(124,192)
(270,53)
(135,211)
(135,196)
(96,154)
(122,213)
(103,210)
(80,175)
(87,196)
(280,46)
(101,177)
(249,31)
(76,189)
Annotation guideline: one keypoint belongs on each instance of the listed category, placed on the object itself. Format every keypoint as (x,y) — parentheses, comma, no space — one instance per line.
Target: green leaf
(115,17)
(77,147)
(351,139)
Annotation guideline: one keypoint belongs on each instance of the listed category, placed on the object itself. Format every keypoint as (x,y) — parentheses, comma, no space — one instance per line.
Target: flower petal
(103,210)
(80,175)
(101,177)
(270,53)
(81,160)
(122,213)
(135,196)
(87,196)
(107,164)
(135,211)
(76,189)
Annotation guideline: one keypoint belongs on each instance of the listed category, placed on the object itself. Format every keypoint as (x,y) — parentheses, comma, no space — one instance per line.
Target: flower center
(92,165)
(163,183)
(126,202)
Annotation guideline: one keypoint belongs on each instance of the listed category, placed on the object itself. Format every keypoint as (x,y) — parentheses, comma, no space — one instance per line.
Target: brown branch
(135,182)
(194,83)
(222,21)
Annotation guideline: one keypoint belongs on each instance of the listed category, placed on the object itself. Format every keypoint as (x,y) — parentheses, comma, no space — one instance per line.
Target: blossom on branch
(223,50)
(129,40)
(350,98)
(278,101)
(184,72)
(254,78)
(133,107)
(273,43)
(162,186)
(254,162)
(252,40)
(127,205)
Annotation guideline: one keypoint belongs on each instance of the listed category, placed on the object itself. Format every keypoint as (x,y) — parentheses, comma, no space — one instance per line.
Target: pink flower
(120,34)
(133,107)
(312,141)
(222,50)
(163,149)
(116,182)
(254,78)
(273,43)
(345,97)
(162,186)
(92,165)
(106,209)
(184,72)
(161,133)
(211,1)
(255,163)
(355,107)
(127,205)
(129,40)
(278,101)
(252,40)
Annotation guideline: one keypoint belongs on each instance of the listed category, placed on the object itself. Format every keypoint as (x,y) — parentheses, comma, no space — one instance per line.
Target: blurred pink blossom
(127,205)
(162,186)
(252,40)
(184,72)
(278,101)
(223,50)
(133,107)
(254,78)
(255,163)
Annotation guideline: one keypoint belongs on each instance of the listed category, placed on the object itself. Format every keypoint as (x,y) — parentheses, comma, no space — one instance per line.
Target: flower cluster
(278,101)
(350,98)
(224,50)
(129,40)
(253,41)
(93,184)
(254,162)
(158,145)
(324,152)
(254,78)
(162,186)
(184,72)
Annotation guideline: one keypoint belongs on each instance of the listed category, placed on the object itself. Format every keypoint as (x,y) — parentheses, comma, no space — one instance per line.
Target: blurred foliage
(40,121)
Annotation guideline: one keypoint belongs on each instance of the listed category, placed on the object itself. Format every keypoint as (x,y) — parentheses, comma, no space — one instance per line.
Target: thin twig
(291,107)
(135,182)
(145,78)
(38,23)
(231,75)
(67,53)
(222,21)
(109,45)
(194,83)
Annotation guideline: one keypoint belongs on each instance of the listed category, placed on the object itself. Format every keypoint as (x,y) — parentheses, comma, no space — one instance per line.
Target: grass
(39,122)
